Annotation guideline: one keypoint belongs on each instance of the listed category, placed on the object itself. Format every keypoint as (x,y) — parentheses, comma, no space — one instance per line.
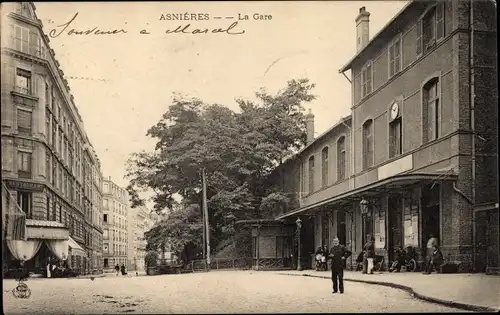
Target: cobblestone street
(215,292)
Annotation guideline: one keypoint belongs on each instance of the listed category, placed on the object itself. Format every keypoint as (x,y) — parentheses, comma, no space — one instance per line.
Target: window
(106,261)
(25,202)
(367,144)
(47,127)
(324,167)
(24,119)
(366,80)
(48,208)
(23,81)
(431,117)
(311,174)
(48,164)
(21,39)
(395,138)
(24,164)
(341,159)
(430,28)
(394,58)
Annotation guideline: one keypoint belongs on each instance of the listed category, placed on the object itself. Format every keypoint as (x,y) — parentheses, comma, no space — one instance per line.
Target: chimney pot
(310,127)
(362,9)
(362,29)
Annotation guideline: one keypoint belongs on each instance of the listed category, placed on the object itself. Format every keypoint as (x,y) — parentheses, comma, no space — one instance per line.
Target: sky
(123,83)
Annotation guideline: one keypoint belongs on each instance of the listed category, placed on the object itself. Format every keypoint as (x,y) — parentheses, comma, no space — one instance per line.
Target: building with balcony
(115,225)
(419,156)
(47,158)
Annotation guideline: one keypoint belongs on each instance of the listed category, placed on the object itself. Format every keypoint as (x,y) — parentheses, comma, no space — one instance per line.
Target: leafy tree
(238,151)
(151,259)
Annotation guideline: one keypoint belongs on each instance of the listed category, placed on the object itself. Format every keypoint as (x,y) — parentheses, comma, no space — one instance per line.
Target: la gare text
(205,17)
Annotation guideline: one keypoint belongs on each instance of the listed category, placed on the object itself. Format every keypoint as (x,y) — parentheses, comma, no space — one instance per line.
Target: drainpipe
(472,125)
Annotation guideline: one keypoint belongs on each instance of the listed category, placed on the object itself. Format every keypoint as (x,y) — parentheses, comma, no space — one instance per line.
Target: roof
(260,221)
(376,36)
(342,121)
(389,184)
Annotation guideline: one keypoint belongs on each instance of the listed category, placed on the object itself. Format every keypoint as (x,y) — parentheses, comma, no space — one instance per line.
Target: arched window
(311,174)
(431,118)
(324,167)
(341,159)
(368,144)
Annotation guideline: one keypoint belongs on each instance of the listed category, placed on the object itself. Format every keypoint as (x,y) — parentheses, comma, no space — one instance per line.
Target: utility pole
(205,214)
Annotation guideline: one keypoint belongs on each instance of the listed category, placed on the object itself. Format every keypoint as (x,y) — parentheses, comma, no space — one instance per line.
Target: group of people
(339,253)
(121,269)
(57,268)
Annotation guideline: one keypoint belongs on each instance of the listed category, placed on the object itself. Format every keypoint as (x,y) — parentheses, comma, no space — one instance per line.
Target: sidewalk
(477,292)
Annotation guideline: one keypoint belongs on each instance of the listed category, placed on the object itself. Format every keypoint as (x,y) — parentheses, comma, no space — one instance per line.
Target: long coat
(336,254)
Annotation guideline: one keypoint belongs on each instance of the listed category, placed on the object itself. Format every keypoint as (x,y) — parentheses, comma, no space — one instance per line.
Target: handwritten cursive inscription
(186,30)
(181,29)
(91,31)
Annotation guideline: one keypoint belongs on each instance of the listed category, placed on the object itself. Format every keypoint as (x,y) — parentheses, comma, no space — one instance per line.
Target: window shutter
(440,20)
(419,37)
(431,121)
(25,40)
(33,42)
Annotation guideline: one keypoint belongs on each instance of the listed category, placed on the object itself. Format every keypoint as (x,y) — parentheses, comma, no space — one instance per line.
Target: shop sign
(17,185)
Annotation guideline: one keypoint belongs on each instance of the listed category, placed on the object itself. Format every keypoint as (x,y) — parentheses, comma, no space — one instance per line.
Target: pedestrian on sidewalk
(117,269)
(123,270)
(436,260)
(431,243)
(338,254)
(369,249)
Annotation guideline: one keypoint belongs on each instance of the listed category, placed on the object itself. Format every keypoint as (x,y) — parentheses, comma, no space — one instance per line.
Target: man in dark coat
(338,254)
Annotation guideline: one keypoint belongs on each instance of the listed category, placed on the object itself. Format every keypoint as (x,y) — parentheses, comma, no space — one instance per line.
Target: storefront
(399,211)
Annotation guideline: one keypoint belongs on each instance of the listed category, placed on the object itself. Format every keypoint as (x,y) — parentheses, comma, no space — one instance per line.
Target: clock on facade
(394,111)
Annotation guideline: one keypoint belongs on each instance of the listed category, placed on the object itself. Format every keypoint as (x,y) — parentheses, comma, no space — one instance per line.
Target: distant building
(141,220)
(48,164)
(115,224)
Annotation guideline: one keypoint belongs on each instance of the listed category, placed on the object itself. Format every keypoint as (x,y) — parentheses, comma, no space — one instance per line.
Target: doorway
(431,218)
(395,225)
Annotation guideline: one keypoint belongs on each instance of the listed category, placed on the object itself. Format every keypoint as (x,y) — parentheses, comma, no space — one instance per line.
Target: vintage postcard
(249,157)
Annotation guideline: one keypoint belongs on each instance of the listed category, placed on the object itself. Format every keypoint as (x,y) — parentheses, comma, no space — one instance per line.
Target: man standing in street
(338,254)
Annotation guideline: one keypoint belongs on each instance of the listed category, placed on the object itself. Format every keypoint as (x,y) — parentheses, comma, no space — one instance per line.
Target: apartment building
(47,158)
(115,225)
(141,220)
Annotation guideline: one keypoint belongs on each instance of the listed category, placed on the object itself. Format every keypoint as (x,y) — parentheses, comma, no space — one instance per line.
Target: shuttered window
(24,119)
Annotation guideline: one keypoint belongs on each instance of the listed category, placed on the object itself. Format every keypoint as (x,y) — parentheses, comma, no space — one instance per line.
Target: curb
(413,293)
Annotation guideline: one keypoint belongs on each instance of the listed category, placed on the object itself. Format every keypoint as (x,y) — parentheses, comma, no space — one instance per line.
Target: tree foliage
(236,150)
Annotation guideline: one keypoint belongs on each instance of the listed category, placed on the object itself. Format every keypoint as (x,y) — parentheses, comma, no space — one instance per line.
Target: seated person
(399,261)
(437,258)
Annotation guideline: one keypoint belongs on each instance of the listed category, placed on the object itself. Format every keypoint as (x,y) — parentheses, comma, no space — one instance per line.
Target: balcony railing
(22,90)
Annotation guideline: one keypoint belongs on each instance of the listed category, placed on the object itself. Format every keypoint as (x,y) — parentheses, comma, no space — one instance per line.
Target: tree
(237,150)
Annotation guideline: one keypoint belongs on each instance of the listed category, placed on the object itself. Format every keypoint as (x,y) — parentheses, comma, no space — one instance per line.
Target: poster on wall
(408,232)
(380,236)
(414,224)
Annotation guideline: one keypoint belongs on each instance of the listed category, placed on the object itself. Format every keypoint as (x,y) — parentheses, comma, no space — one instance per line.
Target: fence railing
(242,263)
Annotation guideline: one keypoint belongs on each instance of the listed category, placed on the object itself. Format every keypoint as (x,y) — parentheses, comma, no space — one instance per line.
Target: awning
(46,230)
(388,185)
(75,248)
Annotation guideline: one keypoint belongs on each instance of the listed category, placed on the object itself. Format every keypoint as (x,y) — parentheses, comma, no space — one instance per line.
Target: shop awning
(388,185)
(75,249)
(46,230)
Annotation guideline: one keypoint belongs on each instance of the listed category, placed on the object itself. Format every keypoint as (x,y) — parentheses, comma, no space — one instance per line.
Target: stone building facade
(141,220)
(115,225)
(47,157)
(422,133)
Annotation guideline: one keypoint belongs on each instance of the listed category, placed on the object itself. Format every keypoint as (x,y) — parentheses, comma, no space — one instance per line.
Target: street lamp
(299,225)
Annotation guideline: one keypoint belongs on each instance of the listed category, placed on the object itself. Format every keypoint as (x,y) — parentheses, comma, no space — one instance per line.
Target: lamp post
(299,226)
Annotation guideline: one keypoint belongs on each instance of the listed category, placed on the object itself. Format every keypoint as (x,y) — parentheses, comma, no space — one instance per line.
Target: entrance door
(431,222)
(486,242)
(395,224)
(341,227)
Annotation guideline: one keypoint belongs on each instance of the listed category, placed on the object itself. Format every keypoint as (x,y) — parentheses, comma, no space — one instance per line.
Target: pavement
(476,292)
(229,292)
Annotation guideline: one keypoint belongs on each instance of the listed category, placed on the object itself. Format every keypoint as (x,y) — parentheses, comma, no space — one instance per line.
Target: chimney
(310,127)
(362,29)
